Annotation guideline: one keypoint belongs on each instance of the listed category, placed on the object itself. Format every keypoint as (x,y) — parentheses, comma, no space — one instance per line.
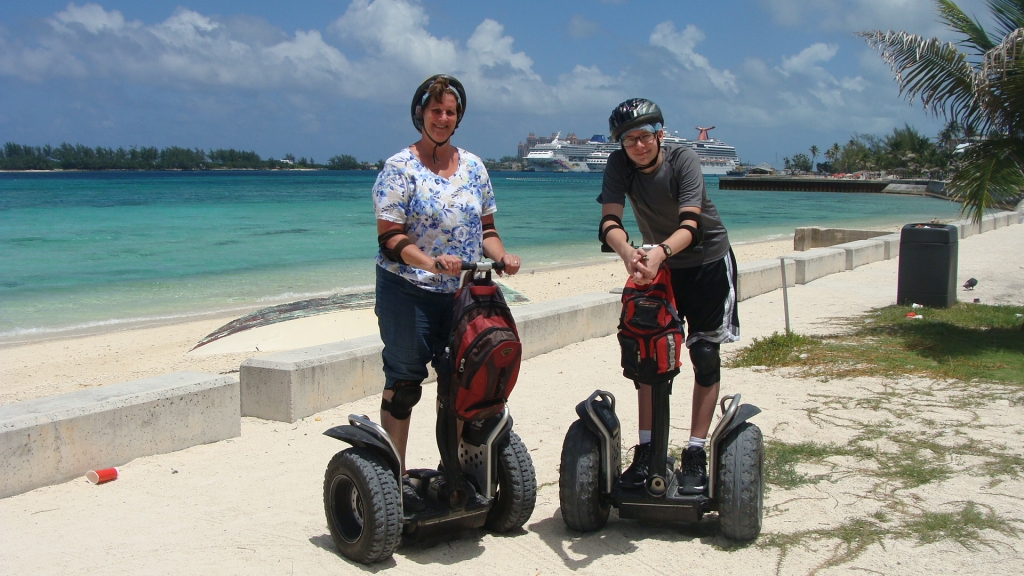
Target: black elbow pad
(696,229)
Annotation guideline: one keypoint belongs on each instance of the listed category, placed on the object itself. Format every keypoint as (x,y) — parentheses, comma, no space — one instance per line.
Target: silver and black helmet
(631,114)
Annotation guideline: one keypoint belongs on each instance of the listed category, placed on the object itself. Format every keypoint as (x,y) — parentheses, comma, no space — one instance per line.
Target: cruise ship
(561,156)
(716,157)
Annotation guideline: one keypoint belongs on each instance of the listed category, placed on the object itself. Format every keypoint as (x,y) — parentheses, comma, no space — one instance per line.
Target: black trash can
(927,273)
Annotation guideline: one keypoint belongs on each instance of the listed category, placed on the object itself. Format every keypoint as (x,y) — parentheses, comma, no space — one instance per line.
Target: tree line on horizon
(906,152)
(80,157)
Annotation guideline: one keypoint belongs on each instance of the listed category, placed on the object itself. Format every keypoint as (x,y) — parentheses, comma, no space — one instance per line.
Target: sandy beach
(56,366)
(253,504)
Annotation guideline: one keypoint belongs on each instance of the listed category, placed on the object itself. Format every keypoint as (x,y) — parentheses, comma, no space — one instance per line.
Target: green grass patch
(966,526)
(963,526)
(780,460)
(964,342)
(775,350)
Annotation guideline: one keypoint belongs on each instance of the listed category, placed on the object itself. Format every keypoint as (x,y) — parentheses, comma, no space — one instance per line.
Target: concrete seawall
(51,440)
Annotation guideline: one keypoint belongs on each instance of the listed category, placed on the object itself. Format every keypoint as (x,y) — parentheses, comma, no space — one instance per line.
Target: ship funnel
(703,132)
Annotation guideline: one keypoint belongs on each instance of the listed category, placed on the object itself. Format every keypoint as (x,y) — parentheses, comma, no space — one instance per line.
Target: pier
(933,188)
(930,188)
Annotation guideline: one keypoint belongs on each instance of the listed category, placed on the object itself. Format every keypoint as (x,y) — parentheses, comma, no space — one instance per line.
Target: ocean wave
(44,331)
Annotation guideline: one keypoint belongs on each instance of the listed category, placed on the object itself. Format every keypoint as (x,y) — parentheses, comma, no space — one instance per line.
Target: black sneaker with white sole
(411,500)
(694,471)
(636,474)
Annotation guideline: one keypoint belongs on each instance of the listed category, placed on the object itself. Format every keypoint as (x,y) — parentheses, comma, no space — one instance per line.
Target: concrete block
(808,237)
(892,245)
(288,386)
(969,228)
(762,276)
(1002,219)
(862,252)
(547,326)
(817,262)
(988,224)
(55,439)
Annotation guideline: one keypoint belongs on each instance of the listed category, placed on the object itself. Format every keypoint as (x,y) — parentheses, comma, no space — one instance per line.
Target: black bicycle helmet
(632,113)
(417,99)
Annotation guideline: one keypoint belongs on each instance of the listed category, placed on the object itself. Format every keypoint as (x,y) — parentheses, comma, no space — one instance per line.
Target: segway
(591,465)
(486,479)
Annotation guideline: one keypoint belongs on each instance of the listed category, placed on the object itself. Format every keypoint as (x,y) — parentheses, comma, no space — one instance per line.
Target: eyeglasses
(630,141)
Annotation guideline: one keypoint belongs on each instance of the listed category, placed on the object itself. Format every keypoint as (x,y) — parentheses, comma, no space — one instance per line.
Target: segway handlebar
(483,266)
(478,266)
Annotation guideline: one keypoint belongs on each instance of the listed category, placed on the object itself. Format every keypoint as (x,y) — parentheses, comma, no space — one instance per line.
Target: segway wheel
(740,483)
(363,505)
(579,480)
(517,487)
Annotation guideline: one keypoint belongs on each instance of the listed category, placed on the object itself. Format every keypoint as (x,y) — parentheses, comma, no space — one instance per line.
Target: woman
(435,209)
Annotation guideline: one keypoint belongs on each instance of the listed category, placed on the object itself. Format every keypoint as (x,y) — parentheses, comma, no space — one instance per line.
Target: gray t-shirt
(657,197)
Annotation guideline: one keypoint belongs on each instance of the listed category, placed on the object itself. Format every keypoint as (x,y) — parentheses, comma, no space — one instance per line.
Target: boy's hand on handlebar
(448,264)
(634,260)
(511,262)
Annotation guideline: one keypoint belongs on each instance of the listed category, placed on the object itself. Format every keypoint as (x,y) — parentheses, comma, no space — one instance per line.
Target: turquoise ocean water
(93,251)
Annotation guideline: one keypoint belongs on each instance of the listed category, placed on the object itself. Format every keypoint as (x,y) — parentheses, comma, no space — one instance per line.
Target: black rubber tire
(740,483)
(579,480)
(363,505)
(517,487)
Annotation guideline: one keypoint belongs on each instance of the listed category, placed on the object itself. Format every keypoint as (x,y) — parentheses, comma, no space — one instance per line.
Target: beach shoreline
(71,362)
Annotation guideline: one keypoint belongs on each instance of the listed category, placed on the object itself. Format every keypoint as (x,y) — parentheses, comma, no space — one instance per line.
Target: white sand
(253,504)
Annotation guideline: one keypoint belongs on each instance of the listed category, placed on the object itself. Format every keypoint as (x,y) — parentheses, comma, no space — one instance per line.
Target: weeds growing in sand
(964,342)
(950,364)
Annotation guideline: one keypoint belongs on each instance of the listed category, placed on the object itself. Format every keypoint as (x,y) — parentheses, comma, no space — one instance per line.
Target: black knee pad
(407,394)
(707,364)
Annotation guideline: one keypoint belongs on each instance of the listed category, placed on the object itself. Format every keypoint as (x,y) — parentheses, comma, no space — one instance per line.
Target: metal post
(785,292)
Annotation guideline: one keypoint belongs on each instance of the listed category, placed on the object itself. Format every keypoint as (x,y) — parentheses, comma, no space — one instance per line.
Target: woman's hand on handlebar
(448,264)
(511,262)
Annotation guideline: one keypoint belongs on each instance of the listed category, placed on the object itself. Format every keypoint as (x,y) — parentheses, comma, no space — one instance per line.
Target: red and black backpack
(484,351)
(650,330)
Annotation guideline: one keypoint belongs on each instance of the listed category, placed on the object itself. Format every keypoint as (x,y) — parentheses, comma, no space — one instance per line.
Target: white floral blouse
(440,215)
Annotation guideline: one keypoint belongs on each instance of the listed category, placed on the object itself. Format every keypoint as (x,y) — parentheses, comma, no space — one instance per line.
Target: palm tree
(814,154)
(982,91)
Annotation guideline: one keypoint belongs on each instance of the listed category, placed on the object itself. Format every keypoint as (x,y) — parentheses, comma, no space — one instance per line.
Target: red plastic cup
(911,314)
(101,476)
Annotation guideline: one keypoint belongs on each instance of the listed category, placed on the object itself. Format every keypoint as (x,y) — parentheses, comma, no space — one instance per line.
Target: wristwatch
(668,251)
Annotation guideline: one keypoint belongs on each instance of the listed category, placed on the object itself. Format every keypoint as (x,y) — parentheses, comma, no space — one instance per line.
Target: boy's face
(641,146)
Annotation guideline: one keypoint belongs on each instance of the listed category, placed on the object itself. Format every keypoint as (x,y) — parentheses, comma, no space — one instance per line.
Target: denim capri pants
(415,325)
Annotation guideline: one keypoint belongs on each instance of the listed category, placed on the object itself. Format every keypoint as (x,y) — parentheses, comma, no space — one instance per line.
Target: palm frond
(1000,84)
(991,174)
(1008,14)
(935,72)
(956,19)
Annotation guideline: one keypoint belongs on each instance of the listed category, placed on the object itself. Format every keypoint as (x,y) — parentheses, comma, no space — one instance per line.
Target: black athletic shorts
(706,298)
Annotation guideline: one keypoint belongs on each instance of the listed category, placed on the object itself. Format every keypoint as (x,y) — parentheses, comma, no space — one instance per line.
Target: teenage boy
(665,188)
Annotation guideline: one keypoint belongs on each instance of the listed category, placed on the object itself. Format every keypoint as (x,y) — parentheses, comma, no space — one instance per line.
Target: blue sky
(322,78)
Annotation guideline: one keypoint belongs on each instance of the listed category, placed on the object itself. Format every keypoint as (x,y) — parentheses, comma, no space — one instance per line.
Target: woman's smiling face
(439,118)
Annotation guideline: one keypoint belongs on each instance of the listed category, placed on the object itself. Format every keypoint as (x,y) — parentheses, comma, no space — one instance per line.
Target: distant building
(524,148)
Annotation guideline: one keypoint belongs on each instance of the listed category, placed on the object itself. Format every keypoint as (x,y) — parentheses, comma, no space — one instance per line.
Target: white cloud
(806,61)
(91,17)
(390,50)
(580,27)
(824,87)
(682,44)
